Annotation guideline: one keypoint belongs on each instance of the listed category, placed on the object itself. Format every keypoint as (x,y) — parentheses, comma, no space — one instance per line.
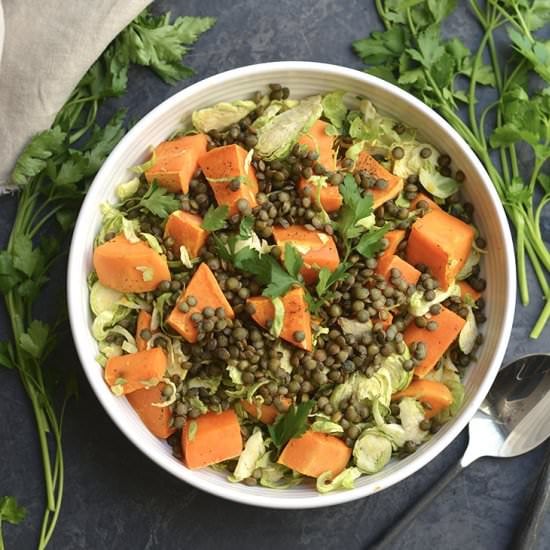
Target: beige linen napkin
(47,47)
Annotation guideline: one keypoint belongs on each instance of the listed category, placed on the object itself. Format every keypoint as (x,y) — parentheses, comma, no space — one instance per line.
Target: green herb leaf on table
(157,43)
(35,156)
(10,511)
(159,201)
(35,340)
(290,425)
(6,355)
(215,218)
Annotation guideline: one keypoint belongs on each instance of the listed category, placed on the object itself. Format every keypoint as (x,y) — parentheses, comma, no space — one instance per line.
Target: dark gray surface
(116,498)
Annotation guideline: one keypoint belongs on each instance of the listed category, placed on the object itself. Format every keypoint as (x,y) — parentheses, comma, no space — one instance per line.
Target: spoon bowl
(511,420)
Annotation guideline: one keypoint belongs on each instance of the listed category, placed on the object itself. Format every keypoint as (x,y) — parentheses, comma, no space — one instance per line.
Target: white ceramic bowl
(303,78)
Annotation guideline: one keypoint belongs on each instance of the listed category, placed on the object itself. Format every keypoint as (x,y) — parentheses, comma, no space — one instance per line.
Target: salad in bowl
(289,291)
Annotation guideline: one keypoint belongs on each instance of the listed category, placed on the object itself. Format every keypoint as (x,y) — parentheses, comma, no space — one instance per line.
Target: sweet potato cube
(296,317)
(129,267)
(316,139)
(176,161)
(211,438)
(449,325)
(185,228)
(207,292)
(224,164)
(442,242)
(376,170)
(135,371)
(315,453)
(157,419)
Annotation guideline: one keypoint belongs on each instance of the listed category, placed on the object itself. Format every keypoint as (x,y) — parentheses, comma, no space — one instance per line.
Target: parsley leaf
(10,511)
(327,278)
(371,243)
(35,340)
(265,268)
(155,42)
(9,276)
(293,260)
(215,218)
(159,201)
(34,157)
(245,227)
(355,207)
(25,258)
(6,355)
(290,425)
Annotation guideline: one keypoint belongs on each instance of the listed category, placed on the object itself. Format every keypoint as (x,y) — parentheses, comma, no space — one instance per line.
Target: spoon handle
(388,538)
(538,505)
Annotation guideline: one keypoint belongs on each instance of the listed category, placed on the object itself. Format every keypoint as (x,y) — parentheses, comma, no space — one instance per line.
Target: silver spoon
(513,420)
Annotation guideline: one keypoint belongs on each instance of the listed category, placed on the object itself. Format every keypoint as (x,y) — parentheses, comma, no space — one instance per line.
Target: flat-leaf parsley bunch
(53,174)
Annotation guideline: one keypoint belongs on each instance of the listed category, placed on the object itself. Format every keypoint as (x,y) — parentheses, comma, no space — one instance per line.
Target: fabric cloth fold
(48,45)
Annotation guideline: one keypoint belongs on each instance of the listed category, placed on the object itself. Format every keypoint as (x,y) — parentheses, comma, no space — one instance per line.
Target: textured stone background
(116,498)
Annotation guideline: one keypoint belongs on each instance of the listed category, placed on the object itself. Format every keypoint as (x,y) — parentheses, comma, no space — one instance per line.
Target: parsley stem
(520,257)
(483,118)
(36,227)
(541,277)
(381,14)
(506,15)
(544,317)
(538,212)
(472,88)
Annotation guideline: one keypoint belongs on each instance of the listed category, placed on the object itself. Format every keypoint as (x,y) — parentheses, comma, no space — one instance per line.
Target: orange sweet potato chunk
(316,139)
(176,162)
(222,165)
(211,438)
(207,292)
(296,318)
(135,371)
(185,228)
(449,325)
(157,419)
(129,267)
(315,453)
(376,170)
(442,242)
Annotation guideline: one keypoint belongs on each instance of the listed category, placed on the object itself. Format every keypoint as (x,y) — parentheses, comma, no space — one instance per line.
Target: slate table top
(116,498)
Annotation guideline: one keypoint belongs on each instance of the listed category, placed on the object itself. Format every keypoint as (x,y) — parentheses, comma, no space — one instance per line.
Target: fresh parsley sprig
(412,53)
(355,208)
(290,425)
(215,218)
(52,174)
(159,201)
(11,512)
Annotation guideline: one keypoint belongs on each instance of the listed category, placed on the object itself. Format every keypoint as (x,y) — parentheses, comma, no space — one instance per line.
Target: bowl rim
(75,279)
